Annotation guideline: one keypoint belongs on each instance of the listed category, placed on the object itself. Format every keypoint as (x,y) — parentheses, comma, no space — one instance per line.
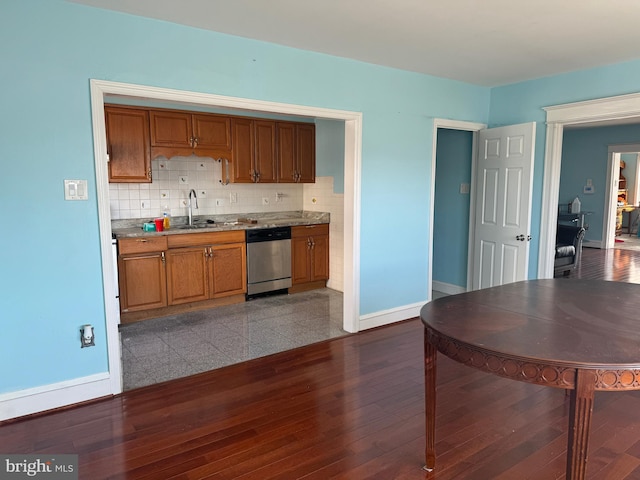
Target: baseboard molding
(593,244)
(447,288)
(56,395)
(387,317)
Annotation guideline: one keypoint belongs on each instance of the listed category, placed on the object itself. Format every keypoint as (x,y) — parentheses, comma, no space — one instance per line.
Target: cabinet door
(187,275)
(306,152)
(265,150)
(212,132)
(142,282)
(300,260)
(286,152)
(320,257)
(128,145)
(229,270)
(243,150)
(171,129)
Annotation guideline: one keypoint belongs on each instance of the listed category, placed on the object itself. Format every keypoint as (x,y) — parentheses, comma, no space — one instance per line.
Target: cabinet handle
(195,141)
(191,141)
(142,240)
(164,260)
(257,177)
(149,173)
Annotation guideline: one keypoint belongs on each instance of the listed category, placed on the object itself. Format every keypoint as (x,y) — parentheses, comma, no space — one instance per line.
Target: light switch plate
(75,190)
(464,188)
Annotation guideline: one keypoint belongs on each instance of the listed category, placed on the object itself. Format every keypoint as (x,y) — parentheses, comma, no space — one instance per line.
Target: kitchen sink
(194,227)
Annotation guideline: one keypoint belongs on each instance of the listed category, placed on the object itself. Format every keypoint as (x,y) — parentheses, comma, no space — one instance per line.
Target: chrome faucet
(192,191)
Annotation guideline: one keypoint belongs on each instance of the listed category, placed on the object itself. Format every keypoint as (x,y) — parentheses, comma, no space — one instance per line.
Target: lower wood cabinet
(141,273)
(309,257)
(202,266)
(162,271)
(207,271)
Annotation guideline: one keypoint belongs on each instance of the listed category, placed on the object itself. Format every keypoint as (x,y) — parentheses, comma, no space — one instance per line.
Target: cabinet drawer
(209,238)
(142,245)
(310,230)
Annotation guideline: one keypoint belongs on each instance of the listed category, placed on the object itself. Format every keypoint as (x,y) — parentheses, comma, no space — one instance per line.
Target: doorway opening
(602,111)
(352,160)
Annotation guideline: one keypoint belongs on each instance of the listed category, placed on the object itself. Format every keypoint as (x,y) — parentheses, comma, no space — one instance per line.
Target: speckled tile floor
(180,345)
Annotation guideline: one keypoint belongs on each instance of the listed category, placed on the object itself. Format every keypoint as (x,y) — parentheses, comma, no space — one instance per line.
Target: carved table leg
(430,355)
(581,407)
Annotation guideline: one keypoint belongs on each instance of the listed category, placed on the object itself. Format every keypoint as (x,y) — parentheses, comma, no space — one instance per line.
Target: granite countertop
(128,228)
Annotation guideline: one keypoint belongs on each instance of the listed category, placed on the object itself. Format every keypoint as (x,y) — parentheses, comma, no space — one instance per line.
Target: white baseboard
(447,288)
(56,395)
(388,317)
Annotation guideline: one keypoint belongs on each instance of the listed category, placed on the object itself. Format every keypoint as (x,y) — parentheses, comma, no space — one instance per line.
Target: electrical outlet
(265,200)
(164,194)
(202,194)
(219,202)
(184,203)
(233,197)
(145,204)
(162,165)
(183,180)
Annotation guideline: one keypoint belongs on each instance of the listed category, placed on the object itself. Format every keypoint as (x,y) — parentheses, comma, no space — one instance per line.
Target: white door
(504,179)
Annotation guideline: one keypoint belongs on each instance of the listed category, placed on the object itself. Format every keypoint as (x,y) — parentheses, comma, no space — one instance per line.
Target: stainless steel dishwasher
(268,260)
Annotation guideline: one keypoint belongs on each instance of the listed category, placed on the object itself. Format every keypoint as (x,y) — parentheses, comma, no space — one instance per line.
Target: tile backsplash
(174,178)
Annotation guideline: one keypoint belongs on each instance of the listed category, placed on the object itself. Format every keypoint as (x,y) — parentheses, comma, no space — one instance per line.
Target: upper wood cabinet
(184,133)
(254,151)
(128,147)
(296,152)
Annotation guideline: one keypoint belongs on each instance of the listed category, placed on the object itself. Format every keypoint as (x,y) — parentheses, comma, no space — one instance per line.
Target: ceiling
(488,42)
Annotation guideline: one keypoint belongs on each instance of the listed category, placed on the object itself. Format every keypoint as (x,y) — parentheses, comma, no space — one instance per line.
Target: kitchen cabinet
(141,273)
(128,145)
(309,257)
(254,151)
(203,266)
(178,133)
(296,152)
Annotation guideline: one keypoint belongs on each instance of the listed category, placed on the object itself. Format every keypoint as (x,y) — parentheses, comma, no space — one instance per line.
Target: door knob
(520,238)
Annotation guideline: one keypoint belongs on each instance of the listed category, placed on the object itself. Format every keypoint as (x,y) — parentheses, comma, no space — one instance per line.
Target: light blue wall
(451,213)
(585,155)
(50,278)
(524,102)
(330,152)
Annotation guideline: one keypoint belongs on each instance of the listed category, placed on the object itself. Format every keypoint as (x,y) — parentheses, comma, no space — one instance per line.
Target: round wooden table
(579,335)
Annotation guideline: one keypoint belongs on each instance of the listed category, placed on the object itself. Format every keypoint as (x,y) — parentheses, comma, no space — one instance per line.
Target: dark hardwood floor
(347,408)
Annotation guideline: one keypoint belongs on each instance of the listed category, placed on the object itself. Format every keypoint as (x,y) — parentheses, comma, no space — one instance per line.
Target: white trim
(56,395)
(558,116)
(452,125)
(352,166)
(448,288)
(393,315)
(611,194)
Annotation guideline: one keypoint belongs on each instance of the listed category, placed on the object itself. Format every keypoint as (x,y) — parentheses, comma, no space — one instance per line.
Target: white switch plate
(464,188)
(233,197)
(219,202)
(265,200)
(75,190)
